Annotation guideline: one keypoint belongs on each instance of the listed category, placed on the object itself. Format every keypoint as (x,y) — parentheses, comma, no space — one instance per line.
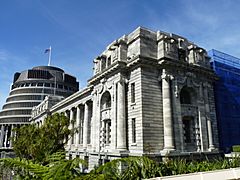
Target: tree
(36,143)
(40,151)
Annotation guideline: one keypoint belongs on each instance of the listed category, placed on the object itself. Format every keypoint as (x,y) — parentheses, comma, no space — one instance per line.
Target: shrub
(236,148)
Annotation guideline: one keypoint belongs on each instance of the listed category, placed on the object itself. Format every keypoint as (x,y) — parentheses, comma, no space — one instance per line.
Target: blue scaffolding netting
(227,97)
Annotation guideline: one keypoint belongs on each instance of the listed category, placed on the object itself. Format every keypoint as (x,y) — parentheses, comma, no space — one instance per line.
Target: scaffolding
(227,98)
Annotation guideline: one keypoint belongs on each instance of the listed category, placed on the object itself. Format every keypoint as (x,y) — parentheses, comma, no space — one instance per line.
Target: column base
(167,151)
(212,149)
(121,150)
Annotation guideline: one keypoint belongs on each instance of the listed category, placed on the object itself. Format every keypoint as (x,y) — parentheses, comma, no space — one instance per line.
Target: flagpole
(49,56)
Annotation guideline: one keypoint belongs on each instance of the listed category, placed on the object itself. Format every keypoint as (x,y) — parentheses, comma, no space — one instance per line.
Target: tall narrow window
(187,129)
(185,96)
(103,63)
(108,131)
(109,61)
(133,93)
(133,130)
(182,54)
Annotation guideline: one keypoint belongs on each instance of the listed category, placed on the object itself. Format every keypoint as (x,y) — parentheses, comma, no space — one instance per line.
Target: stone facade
(151,93)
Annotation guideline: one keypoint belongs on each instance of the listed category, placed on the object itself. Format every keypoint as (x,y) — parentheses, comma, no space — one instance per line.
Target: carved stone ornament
(189,80)
(176,89)
(101,87)
(166,76)
(109,84)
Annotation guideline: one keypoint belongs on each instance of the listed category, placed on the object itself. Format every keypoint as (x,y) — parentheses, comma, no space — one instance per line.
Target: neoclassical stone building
(151,93)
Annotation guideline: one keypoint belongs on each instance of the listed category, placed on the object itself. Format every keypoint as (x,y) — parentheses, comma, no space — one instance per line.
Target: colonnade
(6,133)
(87,118)
(80,119)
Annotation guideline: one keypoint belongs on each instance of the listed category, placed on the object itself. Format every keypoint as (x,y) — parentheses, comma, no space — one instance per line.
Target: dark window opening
(60,86)
(106,100)
(47,84)
(103,64)
(40,84)
(182,54)
(133,130)
(133,93)
(39,74)
(109,61)
(185,96)
(108,132)
(187,130)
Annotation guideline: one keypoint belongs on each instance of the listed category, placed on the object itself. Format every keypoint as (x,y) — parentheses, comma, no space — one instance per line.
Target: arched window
(187,95)
(106,100)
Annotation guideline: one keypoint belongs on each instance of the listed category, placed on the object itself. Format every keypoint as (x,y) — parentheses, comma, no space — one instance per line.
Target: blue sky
(78,30)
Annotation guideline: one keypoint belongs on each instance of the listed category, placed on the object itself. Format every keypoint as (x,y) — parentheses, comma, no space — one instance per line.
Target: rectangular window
(60,86)
(103,63)
(109,61)
(133,130)
(187,130)
(107,131)
(133,93)
(47,84)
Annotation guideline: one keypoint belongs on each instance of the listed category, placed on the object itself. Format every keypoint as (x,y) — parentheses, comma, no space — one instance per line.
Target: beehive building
(29,88)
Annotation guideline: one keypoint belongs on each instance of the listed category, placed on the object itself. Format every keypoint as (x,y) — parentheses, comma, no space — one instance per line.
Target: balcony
(189,110)
(106,114)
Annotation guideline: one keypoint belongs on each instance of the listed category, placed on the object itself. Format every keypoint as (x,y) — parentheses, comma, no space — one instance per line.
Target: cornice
(71,98)
(174,64)
(116,66)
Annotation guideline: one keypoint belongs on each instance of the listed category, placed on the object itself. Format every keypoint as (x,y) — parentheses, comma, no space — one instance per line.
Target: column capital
(206,85)
(165,75)
(122,79)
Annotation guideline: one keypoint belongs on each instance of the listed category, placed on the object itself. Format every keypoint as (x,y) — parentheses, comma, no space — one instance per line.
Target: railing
(106,113)
(189,109)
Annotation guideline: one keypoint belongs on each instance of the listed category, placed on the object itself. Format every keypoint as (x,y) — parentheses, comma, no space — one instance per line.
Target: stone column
(199,140)
(6,137)
(121,116)
(114,117)
(77,125)
(94,130)
(2,135)
(210,136)
(167,113)
(97,114)
(81,107)
(66,114)
(85,126)
(177,114)
(12,135)
(209,123)
(70,127)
